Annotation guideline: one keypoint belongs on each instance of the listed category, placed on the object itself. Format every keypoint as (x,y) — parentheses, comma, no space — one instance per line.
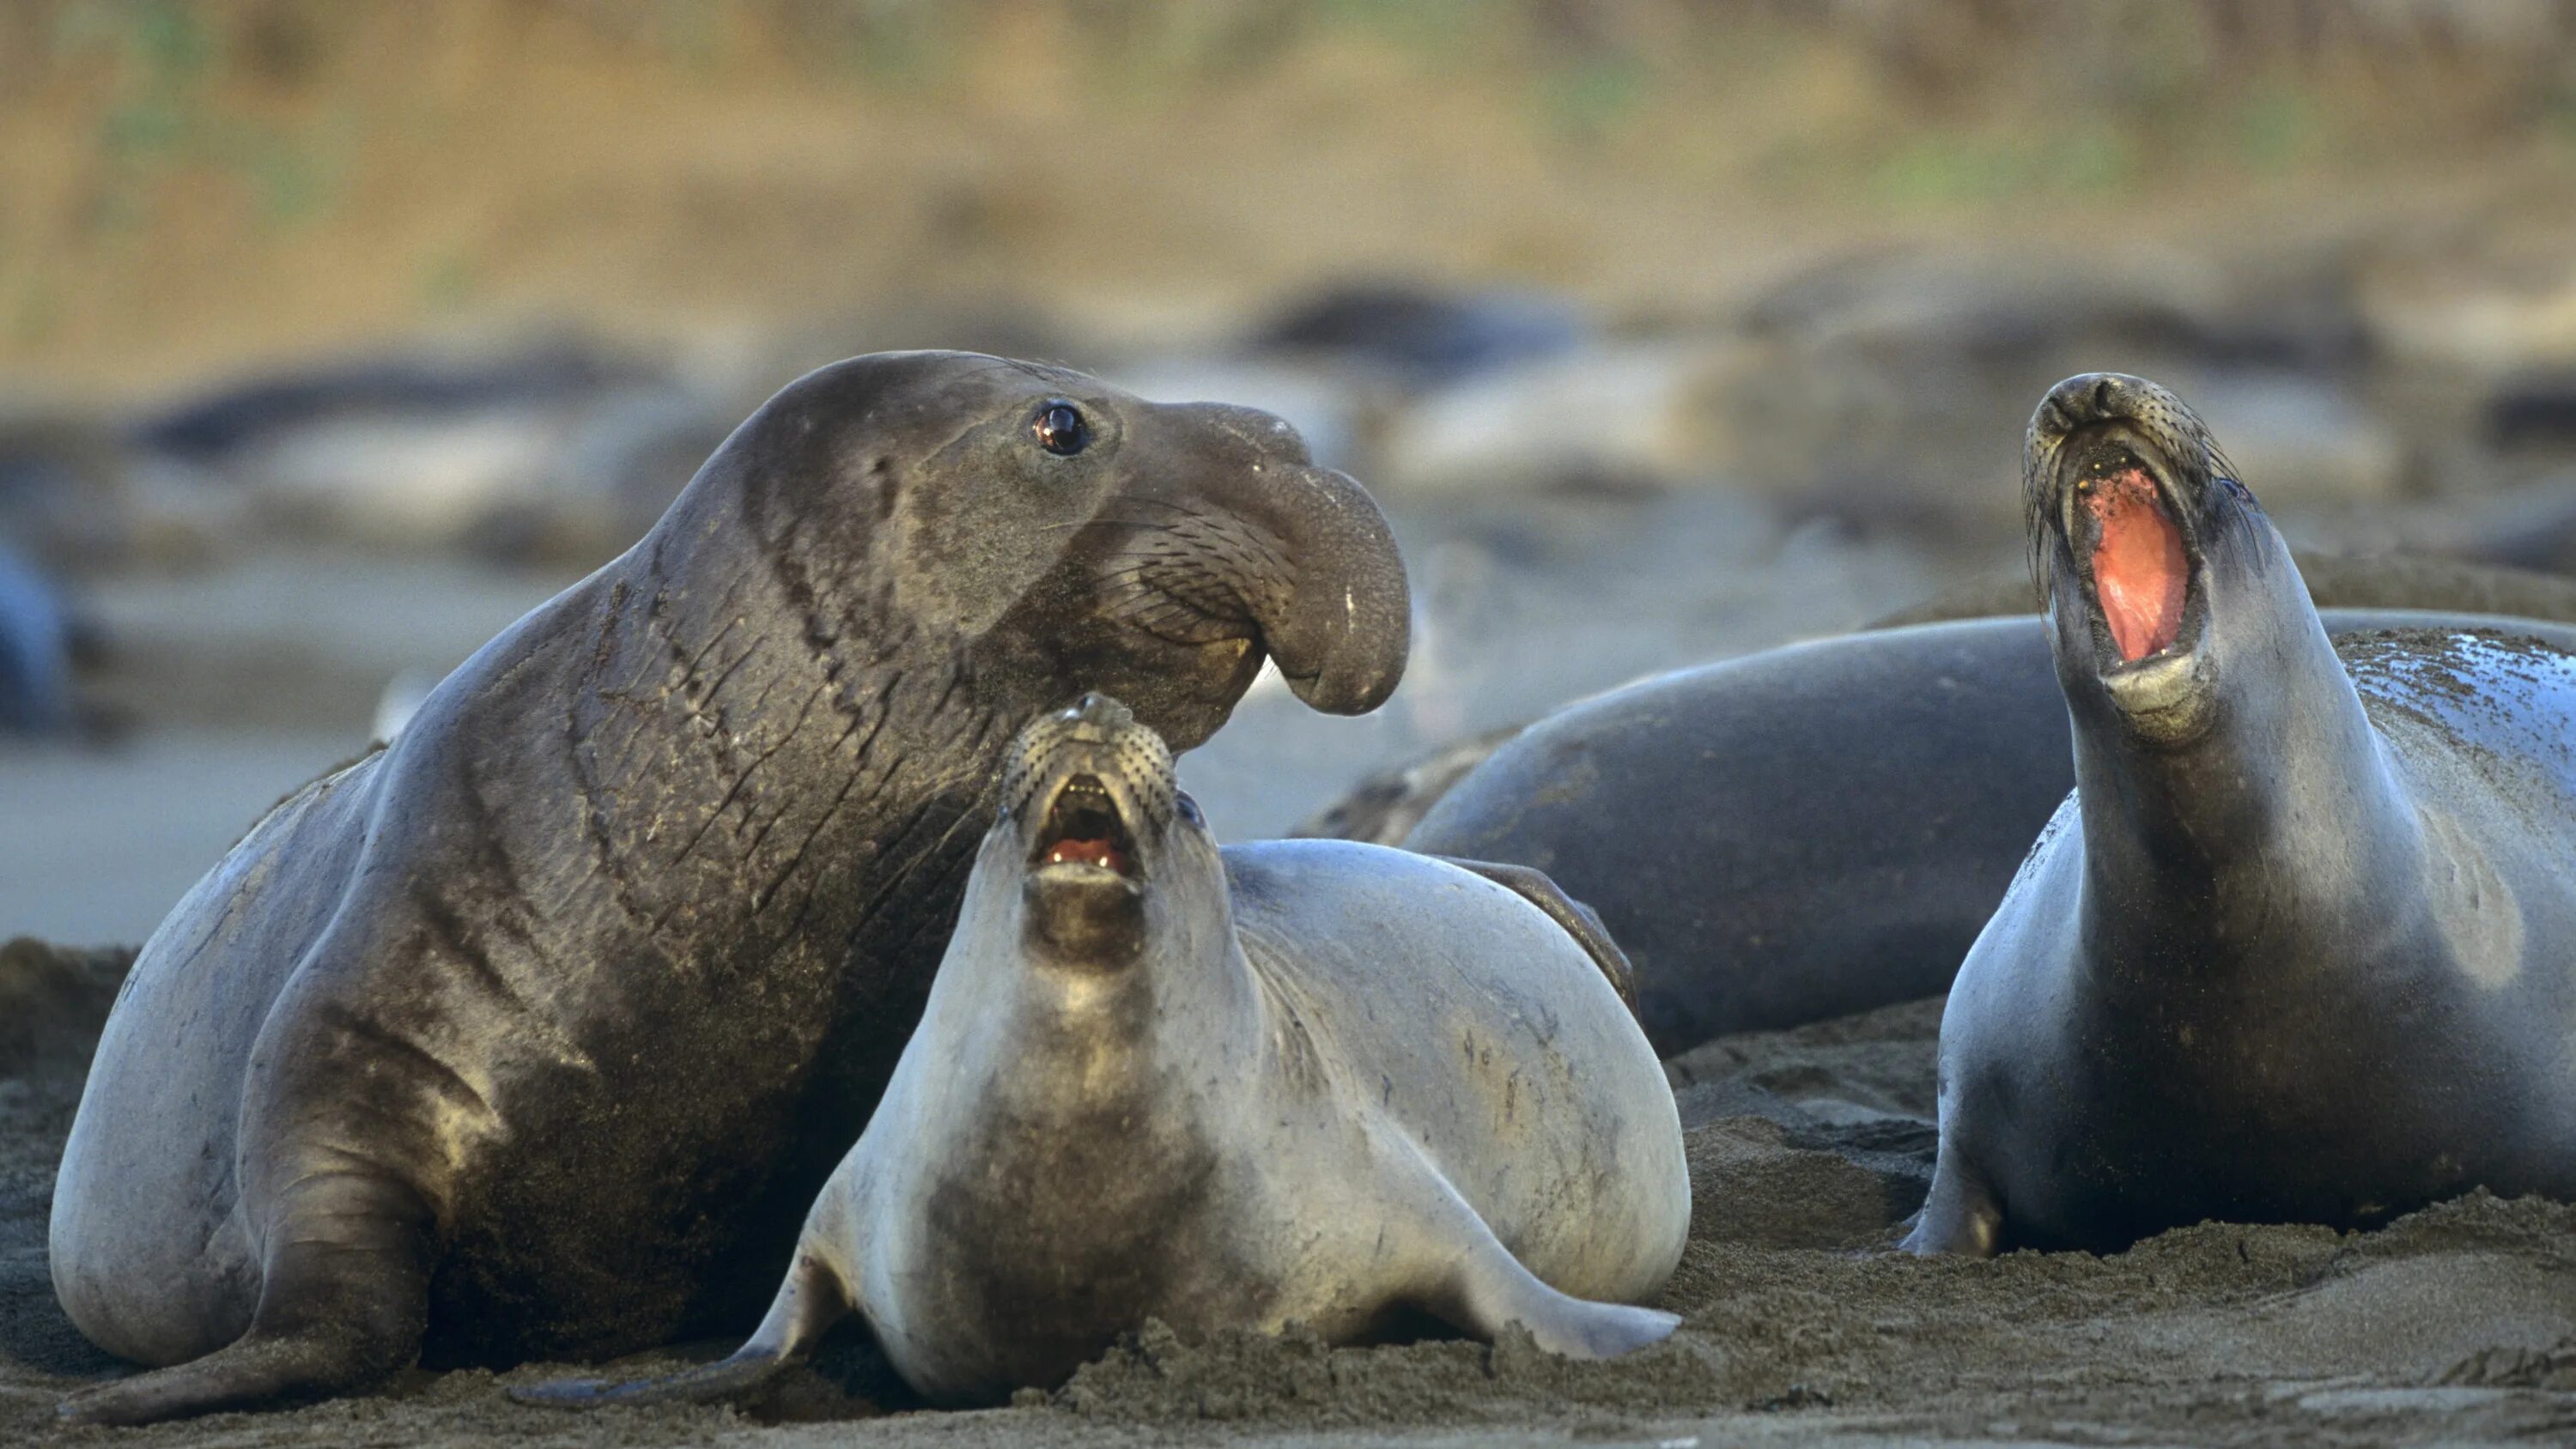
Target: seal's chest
(2238,1119)
(1036,1258)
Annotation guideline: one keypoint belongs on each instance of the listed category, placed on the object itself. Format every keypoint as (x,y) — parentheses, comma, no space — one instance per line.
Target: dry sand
(2457,1324)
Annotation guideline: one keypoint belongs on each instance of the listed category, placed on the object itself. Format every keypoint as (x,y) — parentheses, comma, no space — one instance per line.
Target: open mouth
(2137,553)
(1084,830)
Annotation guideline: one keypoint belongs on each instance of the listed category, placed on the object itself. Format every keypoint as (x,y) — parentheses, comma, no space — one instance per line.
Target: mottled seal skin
(2298,948)
(535,1033)
(1286,1082)
(1808,832)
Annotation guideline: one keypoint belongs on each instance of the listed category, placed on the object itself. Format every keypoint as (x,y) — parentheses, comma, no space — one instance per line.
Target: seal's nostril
(2105,393)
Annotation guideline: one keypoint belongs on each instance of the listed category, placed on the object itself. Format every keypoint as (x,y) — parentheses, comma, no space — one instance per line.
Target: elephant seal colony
(2297,949)
(1288,1082)
(535,1033)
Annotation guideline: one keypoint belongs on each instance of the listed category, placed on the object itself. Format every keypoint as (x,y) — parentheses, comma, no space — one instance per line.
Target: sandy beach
(2454,1325)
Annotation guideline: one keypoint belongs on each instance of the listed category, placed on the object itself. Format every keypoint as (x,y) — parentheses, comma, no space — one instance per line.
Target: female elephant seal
(2298,948)
(1856,807)
(1295,1081)
(535,1033)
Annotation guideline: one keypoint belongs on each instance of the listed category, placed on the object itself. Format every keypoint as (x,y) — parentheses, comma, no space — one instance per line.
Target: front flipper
(343,1302)
(810,1301)
(1960,1216)
(1488,1289)
(1475,1285)
(1577,919)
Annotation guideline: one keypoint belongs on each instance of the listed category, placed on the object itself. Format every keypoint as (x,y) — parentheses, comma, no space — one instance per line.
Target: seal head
(1097,811)
(1056,525)
(2135,520)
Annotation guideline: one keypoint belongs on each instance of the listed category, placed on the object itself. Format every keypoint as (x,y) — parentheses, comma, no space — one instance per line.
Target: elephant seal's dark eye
(1060,429)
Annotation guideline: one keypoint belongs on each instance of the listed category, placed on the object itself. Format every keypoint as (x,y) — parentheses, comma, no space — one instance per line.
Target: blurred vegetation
(181,183)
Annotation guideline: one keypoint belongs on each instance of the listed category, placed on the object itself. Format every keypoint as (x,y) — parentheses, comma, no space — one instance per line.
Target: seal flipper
(1578,920)
(1960,1216)
(335,1312)
(810,1301)
(1478,1287)
(1488,1290)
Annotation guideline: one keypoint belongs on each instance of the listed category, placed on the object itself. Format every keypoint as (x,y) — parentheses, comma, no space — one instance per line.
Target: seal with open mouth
(1856,805)
(1288,1082)
(535,1033)
(2298,948)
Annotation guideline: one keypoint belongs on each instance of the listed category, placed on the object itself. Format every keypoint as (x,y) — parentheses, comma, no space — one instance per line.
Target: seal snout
(2112,461)
(1096,790)
(1093,796)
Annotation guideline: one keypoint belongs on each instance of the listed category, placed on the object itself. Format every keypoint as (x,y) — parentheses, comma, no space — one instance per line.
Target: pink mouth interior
(2139,571)
(1087,852)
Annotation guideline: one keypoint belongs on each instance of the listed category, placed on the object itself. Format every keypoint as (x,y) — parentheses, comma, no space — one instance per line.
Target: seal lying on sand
(2302,945)
(1288,1082)
(535,1033)
(1808,832)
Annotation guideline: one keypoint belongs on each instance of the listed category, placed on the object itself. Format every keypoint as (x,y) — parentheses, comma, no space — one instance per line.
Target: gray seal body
(1288,1082)
(535,1033)
(1808,832)
(2298,947)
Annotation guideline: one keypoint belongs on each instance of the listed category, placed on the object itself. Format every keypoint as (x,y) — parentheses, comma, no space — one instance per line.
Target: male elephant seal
(1289,1082)
(2302,944)
(535,1033)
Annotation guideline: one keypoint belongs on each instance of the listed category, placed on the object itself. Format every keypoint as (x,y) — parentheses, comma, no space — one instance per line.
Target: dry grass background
(189,188)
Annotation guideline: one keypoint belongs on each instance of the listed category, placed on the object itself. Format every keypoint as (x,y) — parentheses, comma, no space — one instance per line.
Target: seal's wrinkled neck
(2219,745)
(765,761)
